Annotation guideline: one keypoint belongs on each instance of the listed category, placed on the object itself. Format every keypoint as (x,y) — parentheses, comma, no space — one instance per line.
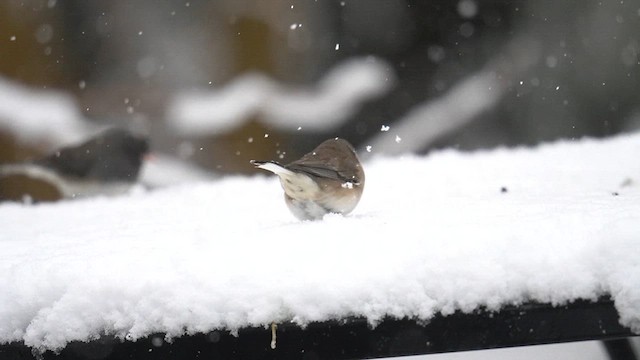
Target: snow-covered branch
(36,116)
(324,106)
(462,104)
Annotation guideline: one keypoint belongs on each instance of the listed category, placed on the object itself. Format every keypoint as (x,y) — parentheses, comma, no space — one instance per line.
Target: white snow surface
(432,234)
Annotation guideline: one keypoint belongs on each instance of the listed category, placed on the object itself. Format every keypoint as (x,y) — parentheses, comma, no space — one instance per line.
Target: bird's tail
(272,166)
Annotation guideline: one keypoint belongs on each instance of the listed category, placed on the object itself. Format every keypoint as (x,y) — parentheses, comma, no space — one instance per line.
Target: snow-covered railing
(449,236)
(354,338)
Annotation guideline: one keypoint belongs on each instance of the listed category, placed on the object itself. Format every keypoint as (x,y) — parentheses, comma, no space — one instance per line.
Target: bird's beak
(151,157)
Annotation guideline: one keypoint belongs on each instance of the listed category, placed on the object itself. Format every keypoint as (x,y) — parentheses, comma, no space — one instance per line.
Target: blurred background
(217,83)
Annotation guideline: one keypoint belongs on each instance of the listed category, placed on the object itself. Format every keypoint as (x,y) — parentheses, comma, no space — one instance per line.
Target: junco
(106,164)
(329,179)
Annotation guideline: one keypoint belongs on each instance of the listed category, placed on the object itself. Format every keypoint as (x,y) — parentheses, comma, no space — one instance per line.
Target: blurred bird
(106,164)
(329,179)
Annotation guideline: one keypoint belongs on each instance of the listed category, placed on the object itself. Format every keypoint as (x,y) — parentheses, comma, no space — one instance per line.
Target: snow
(338,94)
(583,350)
(36,116)
(163,170)
(431,235)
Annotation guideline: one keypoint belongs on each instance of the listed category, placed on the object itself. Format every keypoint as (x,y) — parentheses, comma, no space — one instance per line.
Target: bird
(106,164)
(329,179)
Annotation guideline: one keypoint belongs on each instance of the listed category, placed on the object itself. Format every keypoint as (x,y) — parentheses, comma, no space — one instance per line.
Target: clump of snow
(431,235)
(347,185)
(324,106)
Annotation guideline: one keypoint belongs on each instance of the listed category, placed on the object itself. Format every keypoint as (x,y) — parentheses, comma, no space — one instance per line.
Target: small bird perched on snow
(106,164)
(329,179)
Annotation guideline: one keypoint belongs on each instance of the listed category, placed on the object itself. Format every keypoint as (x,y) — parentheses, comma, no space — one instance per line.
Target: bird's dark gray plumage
(114,155)
(108,163)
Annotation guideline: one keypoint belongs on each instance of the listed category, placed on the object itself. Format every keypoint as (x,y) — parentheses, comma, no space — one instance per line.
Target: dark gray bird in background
(104,165)
(329,179)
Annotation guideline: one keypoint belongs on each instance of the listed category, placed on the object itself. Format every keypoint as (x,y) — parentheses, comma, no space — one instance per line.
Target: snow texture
(325,106)
(449,231)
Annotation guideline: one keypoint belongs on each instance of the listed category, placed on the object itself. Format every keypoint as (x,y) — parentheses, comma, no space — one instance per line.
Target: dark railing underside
(527,324)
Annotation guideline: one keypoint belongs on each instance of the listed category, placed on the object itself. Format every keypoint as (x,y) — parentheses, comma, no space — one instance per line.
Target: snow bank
(431,234)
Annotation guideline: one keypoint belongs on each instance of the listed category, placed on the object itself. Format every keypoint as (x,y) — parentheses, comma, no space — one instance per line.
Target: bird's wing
(323,172)
(68,161)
